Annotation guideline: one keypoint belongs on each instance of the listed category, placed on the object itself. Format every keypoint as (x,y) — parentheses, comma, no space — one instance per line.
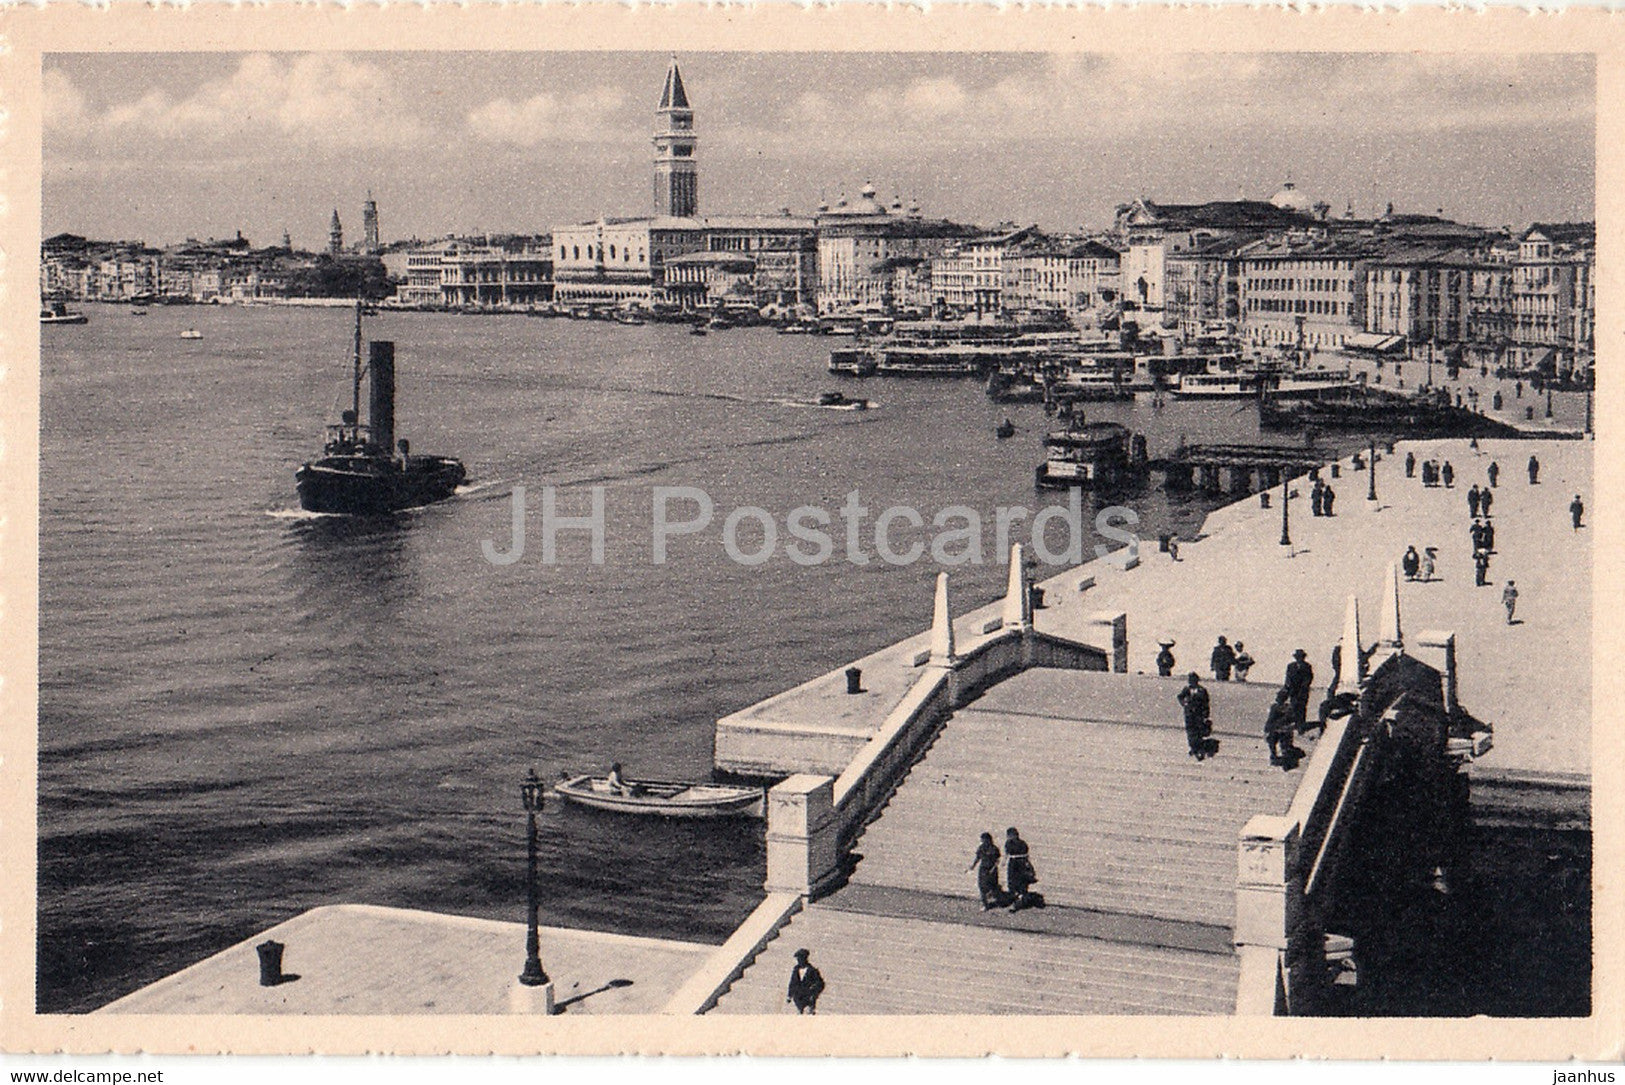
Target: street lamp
(1548,398)
(531,793)
(1371,472)
(1286,499)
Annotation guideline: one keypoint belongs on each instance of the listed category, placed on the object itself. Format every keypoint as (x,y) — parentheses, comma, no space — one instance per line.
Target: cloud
(585,116)
(314,100)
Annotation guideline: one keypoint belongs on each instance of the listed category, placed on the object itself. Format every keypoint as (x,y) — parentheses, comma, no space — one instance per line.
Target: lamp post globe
(531,793)
(1371,472)
(1286,499)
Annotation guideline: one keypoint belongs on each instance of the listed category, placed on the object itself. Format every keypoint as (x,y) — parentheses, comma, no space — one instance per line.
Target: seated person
(617,783)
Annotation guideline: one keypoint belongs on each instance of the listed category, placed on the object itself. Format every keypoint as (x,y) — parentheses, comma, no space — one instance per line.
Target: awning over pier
(1374,342)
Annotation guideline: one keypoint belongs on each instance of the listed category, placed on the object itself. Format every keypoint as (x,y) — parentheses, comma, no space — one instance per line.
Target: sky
(161,147)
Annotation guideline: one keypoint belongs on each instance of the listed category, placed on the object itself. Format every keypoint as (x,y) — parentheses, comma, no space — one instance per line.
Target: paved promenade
(1531,681)
(361,959)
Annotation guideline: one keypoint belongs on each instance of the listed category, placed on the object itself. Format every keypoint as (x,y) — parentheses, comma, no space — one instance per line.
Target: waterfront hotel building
(759,259)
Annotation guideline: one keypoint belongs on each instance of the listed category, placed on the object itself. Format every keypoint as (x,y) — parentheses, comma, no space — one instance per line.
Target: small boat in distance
(57,313)
(1006,430)
(361,473)
(662,798)
(841,399)
(191,333)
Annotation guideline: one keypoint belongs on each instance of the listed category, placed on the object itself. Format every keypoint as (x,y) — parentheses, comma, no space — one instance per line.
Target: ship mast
(355,383)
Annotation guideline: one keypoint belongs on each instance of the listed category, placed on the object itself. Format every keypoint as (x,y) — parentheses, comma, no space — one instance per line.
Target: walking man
(1198,716)
(1487,538)
(1224,657)
(1509,599)
(1495,473)
(806,984)
(1472,501)
(1449,475)
(1534,471)
(1326,500)
(1410,465)
(1411,562)
(1278,729)
(1315,495)
(1577,510)
(1485,500)
(1300,679)
(1481,566)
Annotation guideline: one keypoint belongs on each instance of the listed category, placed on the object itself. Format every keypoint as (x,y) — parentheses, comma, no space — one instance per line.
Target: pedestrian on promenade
(1518,389)
(1198,716)
(806,984)
(1411,562)
(1019,873)
(1481,567)
(1173,547)
(1430,557)
(986,865)
(1326,500)
(1278,731)
(1477,533)
(1509,599)
(1497,400)
(1534,471)
(1315,496)
(1165,658)
(1300,679)
(1485,500)
(1577,510)
(1472,501)
(1489,537)
(1410,465)
(1244,662)
(1495,473)
(1448,474)
(1223,658)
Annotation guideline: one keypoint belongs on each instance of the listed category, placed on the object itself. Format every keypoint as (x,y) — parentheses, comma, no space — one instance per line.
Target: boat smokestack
(381,410)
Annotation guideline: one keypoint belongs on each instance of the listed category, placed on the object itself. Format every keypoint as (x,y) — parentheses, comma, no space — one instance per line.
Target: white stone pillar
(1109,631)
(942,626)
(801,834)
(1352,655)
(1018,596)
(1390,639)
(1269,908)
(1437,648)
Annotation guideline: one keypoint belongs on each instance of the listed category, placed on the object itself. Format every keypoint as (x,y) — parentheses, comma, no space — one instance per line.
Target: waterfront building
(1063,275)
(1306,289)
(676,178)
(1202,286)
(861,243)
(1148,232)
(335,235)
(369,225)
(1424,295)
(1553,297)
(478,273)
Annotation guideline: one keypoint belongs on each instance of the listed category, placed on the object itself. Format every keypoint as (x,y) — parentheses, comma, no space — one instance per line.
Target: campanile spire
(676,180)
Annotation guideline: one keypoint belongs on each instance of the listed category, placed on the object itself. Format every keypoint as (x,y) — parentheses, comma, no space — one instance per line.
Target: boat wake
(474,489)
(300,514)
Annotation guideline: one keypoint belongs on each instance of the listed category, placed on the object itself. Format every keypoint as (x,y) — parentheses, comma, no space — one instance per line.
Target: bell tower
(677,183)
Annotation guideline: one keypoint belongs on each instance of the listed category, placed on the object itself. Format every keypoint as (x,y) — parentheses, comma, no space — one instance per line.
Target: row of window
(1307,306)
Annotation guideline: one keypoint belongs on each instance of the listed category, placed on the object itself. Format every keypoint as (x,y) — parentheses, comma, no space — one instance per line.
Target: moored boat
(843,401)
(191,333)
(1098,456)
(57,313)
(662,798)
(852,362)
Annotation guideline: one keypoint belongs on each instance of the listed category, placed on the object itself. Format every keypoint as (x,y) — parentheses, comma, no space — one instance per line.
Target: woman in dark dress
(1019,873)
(986,865)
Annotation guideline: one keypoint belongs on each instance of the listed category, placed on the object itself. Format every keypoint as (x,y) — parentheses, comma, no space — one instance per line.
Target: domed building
(1291,199)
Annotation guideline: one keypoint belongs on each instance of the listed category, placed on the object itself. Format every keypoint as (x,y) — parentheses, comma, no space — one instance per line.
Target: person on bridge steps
(1278,731)
(1300,680)
(986,865)
(1198,716)
(1411,562)
(1577,511)
(1509,599)
(1019,873)
(806,984)
(1224,658)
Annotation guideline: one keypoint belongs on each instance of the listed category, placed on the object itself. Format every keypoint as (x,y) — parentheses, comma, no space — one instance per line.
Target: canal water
(246,712)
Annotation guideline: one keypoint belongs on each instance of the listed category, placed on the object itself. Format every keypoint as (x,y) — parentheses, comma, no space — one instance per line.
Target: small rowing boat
(665,798)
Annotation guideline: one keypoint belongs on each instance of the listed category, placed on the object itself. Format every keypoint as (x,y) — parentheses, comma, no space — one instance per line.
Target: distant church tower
(369,224)
(335,235)
(677,183)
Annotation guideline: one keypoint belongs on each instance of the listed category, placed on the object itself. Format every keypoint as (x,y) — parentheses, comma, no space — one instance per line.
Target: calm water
(246,713)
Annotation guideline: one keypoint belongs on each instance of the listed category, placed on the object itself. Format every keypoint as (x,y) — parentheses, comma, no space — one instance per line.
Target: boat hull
(659,798)
(346,491)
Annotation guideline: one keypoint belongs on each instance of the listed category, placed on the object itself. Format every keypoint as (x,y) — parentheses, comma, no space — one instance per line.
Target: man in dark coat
(1315,496)
(1198,716)
(1326,501)
(1411,562)
(1534,471)
(1472,501)
(1300,679)
(1410,465)
(1224,657)
(1477,532)
(1485,500)
(1488,537)
(806,984)
(1448,473)
(1577,511)
(1278,729)
(1495,473)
